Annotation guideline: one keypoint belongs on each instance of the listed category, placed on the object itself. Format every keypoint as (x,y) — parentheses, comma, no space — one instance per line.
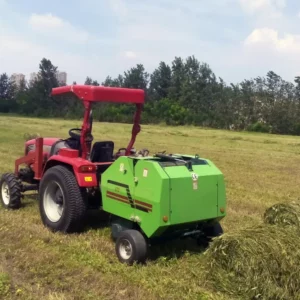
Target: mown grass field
(259,169)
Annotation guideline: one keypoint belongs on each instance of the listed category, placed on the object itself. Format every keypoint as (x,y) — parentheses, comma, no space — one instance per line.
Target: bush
(7,106)
(296,129)
(259,127)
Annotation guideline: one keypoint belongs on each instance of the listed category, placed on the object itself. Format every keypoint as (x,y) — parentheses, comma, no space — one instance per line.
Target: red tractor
(67,172)
(148,198)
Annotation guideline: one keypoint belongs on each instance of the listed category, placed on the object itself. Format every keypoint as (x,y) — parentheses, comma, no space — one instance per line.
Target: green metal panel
(141,190)
(152,187)
(194,195)
(221,197)
(116,182)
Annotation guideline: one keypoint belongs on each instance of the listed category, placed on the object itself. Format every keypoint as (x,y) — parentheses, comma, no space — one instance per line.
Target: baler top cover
(102,93)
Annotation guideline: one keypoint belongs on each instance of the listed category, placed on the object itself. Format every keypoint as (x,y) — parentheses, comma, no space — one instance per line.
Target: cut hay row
(284,214)
(260,262)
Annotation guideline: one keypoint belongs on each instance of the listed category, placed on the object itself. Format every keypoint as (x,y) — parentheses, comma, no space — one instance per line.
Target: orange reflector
(165,218)
(222,210)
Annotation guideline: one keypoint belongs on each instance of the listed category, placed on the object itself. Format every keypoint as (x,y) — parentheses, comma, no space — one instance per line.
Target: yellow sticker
(195,185)
(88,179)
(195,181)
(145,173)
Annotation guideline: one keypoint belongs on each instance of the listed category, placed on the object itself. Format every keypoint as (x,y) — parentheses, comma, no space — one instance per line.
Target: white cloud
(11,45)
(269,38)
(270,7)
(267,49)
(262,35)
(119,7)
(148,32)
(48,24)
(280,3)
(155,32)
(47,21)
(130,54)
(19,55)
(254,5)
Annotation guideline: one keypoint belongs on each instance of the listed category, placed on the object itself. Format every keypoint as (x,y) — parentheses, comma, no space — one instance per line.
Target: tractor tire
(62,203)
(131,247)
(10,187)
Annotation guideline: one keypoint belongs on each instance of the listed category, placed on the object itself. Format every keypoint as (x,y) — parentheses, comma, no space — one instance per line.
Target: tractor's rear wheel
(10,188)
(131,246)
(62,202)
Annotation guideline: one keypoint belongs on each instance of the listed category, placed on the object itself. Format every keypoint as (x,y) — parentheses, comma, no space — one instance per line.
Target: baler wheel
(10,191)
(62,202)
(210,232)
(131,247)
(214,230)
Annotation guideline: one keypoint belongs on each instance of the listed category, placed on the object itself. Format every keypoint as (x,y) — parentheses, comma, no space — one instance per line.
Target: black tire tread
(75,197)
(14,186)
(215,230)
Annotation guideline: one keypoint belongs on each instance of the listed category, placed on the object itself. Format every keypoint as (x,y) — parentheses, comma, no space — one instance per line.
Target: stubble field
(259,170)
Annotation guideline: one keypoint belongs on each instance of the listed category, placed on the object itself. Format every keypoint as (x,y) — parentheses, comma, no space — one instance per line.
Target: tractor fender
(84,179)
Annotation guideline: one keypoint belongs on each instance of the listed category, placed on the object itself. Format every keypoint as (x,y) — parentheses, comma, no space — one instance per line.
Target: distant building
(61,77)
(17,78)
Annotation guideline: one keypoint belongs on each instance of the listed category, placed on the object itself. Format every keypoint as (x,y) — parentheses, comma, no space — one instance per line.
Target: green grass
(4,284)
(259,169)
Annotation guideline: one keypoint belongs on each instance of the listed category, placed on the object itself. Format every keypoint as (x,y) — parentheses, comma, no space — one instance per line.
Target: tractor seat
(102,151)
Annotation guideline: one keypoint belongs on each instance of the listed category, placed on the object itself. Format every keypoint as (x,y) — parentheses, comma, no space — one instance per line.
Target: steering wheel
(143,152)
(76,136)
(73,135)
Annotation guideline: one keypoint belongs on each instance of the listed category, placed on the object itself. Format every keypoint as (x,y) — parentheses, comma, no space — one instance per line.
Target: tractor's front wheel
(62,202)
(131,246)
(10,188)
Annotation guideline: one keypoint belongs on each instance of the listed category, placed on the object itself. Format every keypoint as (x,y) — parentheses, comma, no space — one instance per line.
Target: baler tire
(214,231)
(74,200)
(13,191)
(137,243)
(210,233)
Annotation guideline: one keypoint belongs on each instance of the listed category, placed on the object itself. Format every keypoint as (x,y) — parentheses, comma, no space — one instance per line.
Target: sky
(238,39)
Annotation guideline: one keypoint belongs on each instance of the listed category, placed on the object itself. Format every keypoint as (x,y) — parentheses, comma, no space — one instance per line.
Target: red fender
(84,170)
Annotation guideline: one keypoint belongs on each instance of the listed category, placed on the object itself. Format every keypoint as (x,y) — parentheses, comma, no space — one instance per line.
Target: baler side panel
(193,197)
(117,188)
(221,197)
(152,187)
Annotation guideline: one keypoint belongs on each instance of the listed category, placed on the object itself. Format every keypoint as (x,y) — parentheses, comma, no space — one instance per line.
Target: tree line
(187,92)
